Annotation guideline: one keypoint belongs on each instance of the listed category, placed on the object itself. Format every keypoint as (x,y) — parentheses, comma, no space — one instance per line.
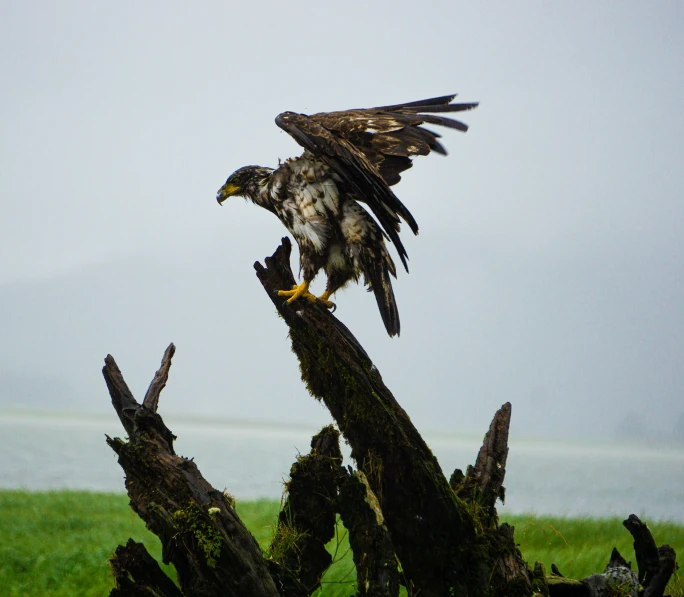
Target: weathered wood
(645,548)
(666,568)
(483,482)
(307,520)
(377,574)
(612,579)
(406,524)
(137,574)
(617,579)
(510,574)
(488,473)
(201,534)
(159,380)
(559,586)
(431,529)
(618,576)
(555,571)
(656,564)
(616,560)
(480,488)
(122,398)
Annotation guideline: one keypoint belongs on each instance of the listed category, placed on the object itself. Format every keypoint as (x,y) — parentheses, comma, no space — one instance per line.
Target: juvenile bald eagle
(349,157)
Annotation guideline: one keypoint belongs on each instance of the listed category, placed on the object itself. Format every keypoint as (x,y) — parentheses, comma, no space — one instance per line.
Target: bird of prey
(350,157)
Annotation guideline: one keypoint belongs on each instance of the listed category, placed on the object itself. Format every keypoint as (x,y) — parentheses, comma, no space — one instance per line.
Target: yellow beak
(226,191)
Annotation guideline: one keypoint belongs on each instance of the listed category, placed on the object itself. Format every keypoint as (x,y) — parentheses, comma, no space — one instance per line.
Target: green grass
(582,546)
(57,544)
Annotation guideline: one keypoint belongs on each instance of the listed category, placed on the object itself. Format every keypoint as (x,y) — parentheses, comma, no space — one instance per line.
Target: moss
(285,539)
(539,584)
(209,538)
(621,590)
(377,431)
(323,358)
(374,470)
(477,512)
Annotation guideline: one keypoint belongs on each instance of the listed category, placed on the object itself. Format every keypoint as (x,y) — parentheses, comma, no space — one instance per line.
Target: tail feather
(377,274)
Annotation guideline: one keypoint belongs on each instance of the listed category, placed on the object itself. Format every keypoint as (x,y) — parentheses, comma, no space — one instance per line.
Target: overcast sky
(548,270)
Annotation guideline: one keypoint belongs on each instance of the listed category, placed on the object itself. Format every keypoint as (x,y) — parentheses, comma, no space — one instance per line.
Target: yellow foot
(325,299)
(298,291)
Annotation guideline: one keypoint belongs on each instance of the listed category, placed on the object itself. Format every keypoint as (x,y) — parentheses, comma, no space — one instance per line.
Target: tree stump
(407,524)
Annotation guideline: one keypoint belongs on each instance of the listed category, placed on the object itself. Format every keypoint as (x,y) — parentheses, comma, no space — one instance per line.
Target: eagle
(351,158)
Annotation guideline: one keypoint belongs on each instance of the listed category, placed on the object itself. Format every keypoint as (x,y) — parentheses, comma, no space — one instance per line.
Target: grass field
(56,544)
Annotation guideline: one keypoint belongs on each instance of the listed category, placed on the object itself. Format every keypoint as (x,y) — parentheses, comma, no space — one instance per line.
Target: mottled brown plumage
(351,156)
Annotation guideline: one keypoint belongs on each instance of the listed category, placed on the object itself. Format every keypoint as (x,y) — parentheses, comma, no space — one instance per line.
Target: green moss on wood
(209,539)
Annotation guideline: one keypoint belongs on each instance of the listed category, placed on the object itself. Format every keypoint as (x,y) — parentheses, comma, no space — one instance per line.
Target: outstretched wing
(390,135)
(369,149)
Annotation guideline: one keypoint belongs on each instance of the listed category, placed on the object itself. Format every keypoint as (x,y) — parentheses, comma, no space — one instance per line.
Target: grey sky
(549,266)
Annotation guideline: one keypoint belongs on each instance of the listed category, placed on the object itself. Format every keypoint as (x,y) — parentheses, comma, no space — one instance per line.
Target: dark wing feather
(370,148)
(355,170)
(439,109)
(435,101)
(392,166)
(395,131)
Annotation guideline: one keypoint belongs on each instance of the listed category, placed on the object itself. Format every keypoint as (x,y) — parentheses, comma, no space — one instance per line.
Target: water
(251,461)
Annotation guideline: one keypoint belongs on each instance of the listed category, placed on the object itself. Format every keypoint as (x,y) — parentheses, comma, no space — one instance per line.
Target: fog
(549,267)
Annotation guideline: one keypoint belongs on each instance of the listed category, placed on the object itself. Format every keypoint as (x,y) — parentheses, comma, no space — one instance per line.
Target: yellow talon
(298,291)
(325,299)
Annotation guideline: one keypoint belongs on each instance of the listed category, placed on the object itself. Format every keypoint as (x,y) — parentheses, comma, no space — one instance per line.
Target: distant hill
(574,345)
(678,431)
(31,391)
(59,330)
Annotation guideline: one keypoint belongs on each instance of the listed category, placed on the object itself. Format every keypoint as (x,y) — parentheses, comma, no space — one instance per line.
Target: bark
(667,565)
(137,574)
(307,520)
(645,549)
(484,480)
(446,535)
(481,487)
(212,551)
(407,524)
(377,574)
(432,532)
(656,566)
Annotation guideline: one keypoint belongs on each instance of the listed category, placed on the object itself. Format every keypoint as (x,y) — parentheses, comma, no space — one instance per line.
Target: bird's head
(245,182)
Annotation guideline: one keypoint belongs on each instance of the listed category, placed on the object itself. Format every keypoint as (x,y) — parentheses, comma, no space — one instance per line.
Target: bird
(351,158)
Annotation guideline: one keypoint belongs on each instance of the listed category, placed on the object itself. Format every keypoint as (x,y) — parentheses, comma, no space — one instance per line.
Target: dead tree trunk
(434,533)
(407,524)
(655,565)
(212,551)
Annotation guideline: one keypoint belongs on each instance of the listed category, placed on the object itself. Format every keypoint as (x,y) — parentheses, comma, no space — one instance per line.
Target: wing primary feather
(444,108)
(437,147)
(450,123)
(435,101)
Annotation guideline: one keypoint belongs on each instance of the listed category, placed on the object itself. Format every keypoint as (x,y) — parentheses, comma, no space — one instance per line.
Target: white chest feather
(311,198)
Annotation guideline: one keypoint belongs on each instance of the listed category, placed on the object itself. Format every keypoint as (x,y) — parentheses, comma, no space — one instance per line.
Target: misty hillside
(579,349)
(61,328)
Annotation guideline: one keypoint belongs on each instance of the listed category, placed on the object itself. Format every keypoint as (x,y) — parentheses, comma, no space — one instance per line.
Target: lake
(252,460)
